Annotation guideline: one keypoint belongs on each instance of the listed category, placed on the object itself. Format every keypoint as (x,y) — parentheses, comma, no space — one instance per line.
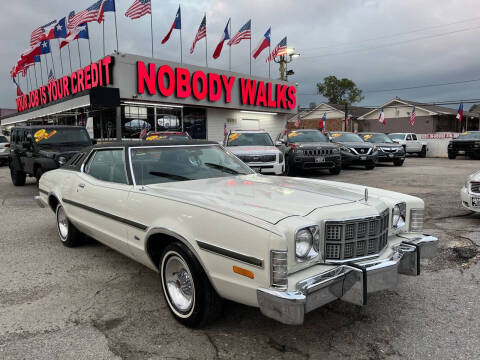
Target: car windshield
(3,139)
(153,165)
(163,136)
(61,136)
(397,136)
(346,137)
(298,136)
(249,139)
(474,135)
(376,138)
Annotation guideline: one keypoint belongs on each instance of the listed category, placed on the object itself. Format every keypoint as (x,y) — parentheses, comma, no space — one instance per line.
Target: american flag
(381,117)
(413,116)
(51,77)
(138,9)
(245,32)
(280,49)
(39,33)
(93,13)
(297,121)
(201,33)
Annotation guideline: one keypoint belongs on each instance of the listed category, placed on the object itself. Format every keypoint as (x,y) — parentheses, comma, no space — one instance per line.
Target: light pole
(283,60)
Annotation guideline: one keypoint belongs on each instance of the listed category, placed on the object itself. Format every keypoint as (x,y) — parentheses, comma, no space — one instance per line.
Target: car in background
(256,149)
(388,150)
(354,150)
(4,149)
(470,192)
(307,149)
(214,229)
(167,135)
(467,143)
(411,143)
(34,150)
(133,128)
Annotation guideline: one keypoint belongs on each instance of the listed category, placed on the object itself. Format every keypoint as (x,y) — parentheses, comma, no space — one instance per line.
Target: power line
(389,45)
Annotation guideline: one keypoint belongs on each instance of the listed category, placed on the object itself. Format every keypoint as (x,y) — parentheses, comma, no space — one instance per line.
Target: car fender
(45,163)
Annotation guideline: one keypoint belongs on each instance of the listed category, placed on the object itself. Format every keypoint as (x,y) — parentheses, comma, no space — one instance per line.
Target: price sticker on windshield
(366,137)
(293,134)
(42,134)
(233,137)
(335,135)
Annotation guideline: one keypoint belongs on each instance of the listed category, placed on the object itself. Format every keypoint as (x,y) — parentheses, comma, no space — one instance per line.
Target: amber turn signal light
(244,272)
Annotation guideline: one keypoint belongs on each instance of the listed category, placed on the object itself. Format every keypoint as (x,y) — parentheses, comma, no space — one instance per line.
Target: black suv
(467,143)
(388,150)
(309,150)
(354,150)
(37,149)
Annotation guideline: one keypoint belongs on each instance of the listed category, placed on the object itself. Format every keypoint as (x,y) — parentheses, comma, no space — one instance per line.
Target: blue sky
(379,44)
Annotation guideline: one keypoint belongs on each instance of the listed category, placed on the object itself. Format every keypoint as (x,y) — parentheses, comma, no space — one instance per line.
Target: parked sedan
(470,193)
(214,229)
(354,150)
(4,149)
(388,150)
(467,144)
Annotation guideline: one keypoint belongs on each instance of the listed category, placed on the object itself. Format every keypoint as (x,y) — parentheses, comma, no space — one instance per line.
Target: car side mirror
(279,143)
(94,142)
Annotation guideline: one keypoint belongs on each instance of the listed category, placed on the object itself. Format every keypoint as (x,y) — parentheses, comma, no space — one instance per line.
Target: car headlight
(280,158)
(307,243)
(336,150)
(399,214)
(344,148)
(62,160)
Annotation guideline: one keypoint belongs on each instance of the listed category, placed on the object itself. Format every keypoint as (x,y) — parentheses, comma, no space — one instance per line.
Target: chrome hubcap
(179,283)
(62,223)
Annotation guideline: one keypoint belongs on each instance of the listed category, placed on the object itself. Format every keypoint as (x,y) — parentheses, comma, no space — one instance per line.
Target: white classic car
(256,149)
(215,229)
(470,192)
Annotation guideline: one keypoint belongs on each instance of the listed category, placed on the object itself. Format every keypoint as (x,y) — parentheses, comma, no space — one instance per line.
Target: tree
(312,105)
(475,108)
(339,91)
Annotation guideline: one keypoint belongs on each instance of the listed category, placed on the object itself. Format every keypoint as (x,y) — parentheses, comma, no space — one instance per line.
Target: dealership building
(120,95)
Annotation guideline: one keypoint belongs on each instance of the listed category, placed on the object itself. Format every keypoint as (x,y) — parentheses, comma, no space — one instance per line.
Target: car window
(409,137)
(107,165)
(472,135)
(3,139)
(249,139)
(345,137)
(299,136)
(414,137)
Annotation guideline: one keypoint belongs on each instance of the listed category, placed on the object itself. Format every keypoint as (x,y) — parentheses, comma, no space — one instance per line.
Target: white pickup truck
(411,143)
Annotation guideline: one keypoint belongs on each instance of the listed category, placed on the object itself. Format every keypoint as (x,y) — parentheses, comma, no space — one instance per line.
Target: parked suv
(256,149)
(37,149)
(410,143)
(309,150)
(467,143)
(4,149)
(354,150)
(388,150)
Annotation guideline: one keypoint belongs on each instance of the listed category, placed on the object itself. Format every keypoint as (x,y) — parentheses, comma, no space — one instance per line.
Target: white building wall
(216,118)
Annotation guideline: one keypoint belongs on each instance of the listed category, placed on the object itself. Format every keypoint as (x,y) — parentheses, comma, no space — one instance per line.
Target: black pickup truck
(35,150)
(467,143)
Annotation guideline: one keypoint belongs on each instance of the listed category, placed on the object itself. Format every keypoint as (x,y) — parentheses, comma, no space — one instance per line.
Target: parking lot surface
(93,303)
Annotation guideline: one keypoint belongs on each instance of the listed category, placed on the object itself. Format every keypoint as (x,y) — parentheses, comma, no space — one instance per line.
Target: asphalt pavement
(93,303)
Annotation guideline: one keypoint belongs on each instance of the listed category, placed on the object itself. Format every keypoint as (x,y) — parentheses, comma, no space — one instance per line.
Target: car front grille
(362,151)
(390,150)
(317,152)
(349,239)
(257,158)
(475,187)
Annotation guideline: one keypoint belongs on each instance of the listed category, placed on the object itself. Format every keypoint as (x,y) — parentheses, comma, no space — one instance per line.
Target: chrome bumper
(350,282)
(39,201)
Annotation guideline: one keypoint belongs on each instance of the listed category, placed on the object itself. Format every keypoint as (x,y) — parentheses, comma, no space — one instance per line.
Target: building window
(195,122)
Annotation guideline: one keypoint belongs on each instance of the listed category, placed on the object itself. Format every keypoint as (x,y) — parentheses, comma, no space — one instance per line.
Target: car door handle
(81,186)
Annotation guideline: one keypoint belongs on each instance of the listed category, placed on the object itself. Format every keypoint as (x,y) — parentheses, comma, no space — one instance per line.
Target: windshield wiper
(223,168)
(169,176)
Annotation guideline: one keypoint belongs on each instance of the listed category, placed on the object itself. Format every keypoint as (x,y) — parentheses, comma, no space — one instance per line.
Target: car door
(416,144)
(408,143)
(97,201)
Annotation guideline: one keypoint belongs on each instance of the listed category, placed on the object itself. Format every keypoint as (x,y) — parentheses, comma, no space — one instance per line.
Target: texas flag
(381,118)
(323,122)
(460,113)
(225,36)
(177,24)
(265,43)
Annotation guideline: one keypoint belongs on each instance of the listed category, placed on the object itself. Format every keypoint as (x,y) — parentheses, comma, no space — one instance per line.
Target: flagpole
(230,50)
(116,30)
(53,64)
(181,45)
(41,70)
(151,25)
(70,57)
(250,53)
(36,79)
(269,51)
(46,64)
(31,84)
(89,47)
(206,45)
(103,23)
(60,52)
(79,55)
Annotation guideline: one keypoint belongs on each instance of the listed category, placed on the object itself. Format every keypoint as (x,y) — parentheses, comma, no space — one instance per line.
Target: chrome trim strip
(230,254)
(42,191)
(108,215)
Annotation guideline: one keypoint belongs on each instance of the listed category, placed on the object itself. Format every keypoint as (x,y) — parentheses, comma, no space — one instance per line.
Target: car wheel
(186,288)
(452,156)
(335,170)
(423,153)
(289,170)
(38,174)
(369,167)
(398,162)
(18,177)
(69,235)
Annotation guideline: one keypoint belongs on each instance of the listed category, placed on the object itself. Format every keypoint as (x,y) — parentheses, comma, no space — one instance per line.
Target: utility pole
(346,115)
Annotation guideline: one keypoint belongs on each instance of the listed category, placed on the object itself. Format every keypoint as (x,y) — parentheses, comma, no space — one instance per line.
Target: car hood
(270,199)
(475,176)
(397,145)
(357,144)
(243,150)
(66,151)
(317,145)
